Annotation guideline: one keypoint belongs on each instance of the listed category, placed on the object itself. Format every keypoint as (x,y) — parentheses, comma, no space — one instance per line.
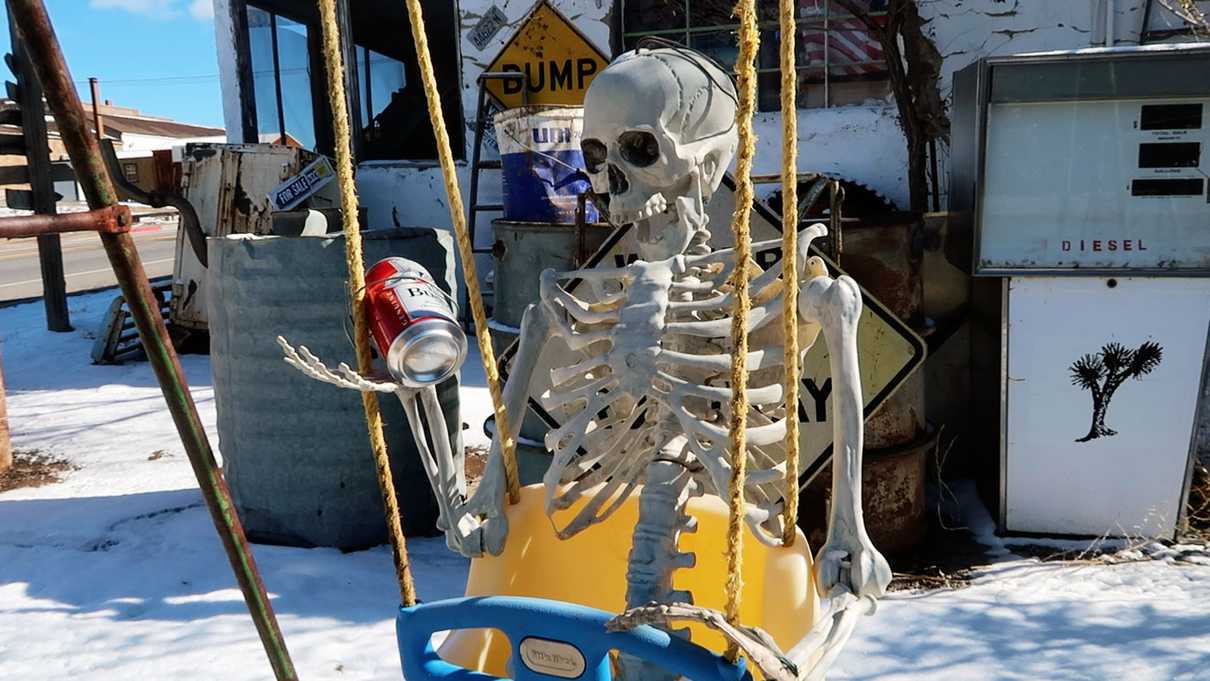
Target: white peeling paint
(862,143)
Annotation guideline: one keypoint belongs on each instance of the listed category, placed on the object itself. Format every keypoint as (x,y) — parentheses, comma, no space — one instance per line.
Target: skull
(659,132)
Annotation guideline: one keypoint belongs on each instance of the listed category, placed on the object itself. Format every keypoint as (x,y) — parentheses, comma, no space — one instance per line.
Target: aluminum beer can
(413,323)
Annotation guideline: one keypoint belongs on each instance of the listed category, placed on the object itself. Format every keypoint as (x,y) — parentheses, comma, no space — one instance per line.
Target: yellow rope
(462,236)
(789,260)
(749,40)
(334,62)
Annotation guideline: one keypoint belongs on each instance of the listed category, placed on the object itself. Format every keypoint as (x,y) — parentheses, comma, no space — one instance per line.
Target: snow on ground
(115,573)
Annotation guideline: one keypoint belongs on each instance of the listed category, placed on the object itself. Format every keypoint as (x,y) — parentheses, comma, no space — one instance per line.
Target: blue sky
(155,55)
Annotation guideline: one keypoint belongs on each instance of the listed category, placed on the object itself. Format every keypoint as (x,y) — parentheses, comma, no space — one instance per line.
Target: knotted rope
(334,63)
(789,256)
(749,40)
(458,217)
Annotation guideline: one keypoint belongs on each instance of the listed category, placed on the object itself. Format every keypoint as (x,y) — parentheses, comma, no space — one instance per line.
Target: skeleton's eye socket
(639,148)
(595,154)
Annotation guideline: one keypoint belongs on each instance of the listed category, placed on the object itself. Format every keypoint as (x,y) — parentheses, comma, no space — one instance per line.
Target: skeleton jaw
(669,231)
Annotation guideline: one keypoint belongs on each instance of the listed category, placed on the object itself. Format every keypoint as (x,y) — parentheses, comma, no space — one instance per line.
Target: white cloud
(202,10)
(160,9)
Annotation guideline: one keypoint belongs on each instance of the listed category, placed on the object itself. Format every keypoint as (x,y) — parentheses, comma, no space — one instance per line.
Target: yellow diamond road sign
(889,350)
(557,60)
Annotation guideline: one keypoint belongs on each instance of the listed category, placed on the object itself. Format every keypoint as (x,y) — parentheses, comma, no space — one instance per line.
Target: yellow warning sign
(889,350)
(557,61)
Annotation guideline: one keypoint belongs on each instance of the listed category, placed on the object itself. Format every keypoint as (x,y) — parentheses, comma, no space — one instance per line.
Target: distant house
(136,132)
(279,138)
(138,140)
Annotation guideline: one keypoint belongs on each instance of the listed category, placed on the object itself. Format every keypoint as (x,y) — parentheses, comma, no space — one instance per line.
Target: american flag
(855,52)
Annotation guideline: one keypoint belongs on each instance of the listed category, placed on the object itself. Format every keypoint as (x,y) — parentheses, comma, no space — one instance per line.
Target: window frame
(320,107)
(821,24)
(307,14)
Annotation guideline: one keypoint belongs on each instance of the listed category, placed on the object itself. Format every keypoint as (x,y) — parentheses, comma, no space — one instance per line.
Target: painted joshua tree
(1104,372)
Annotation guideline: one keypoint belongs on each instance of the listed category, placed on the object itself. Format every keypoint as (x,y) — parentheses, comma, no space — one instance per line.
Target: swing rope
(462,236)
(749,41)
(789,257)
(334,63)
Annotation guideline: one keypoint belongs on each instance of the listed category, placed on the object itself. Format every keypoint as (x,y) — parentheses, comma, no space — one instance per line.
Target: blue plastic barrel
(543,167)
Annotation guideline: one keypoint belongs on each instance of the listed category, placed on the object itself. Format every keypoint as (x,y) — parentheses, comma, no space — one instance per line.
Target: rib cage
(664,368)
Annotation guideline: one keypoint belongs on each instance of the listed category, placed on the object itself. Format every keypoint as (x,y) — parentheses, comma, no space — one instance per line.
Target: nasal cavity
(617,181)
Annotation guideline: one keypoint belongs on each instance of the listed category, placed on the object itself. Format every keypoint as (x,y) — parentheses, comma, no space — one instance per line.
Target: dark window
(281,79)
(1173,187)
(1170,117)
(395,120)
(390,114)
(839,62)
(1169,155)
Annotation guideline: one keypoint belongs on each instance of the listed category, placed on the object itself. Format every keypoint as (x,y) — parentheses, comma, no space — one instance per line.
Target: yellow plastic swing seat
(779,592)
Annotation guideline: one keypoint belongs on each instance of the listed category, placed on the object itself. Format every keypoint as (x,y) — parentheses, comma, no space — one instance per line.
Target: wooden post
(6,445)
(37,158)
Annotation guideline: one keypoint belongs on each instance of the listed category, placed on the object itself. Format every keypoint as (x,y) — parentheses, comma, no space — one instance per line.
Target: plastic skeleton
(646,403)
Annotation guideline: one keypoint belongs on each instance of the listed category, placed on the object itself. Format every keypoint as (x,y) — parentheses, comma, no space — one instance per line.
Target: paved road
(84,261)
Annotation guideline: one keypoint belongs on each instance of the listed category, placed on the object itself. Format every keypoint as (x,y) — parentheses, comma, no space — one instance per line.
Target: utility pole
(28,94)
(95,86)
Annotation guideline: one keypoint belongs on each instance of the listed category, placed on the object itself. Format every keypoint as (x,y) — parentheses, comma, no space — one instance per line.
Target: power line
(155,79)
(214,76)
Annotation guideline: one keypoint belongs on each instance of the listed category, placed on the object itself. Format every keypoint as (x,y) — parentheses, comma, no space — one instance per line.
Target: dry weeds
(32,468)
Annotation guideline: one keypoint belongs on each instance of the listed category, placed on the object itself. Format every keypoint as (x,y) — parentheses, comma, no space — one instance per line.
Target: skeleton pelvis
(590,569)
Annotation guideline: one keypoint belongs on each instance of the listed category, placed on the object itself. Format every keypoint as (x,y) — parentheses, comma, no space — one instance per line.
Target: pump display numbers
(1102,185)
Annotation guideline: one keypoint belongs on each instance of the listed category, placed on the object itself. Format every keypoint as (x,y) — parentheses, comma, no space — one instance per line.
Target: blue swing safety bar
(550,640)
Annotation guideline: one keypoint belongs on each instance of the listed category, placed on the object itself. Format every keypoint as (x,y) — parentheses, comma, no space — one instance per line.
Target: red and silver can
(412,322)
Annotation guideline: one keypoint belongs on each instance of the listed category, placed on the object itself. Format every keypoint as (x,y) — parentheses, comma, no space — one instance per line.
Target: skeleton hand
(849,558)
(480,525)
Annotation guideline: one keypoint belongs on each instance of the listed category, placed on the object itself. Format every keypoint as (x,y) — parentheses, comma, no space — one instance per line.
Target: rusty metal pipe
(32,20)
(94,86)
(108,220)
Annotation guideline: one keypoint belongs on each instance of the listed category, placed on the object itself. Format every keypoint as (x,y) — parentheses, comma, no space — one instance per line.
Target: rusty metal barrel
(882,252)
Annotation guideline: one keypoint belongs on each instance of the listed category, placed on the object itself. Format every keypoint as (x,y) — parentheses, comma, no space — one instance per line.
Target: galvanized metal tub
(295,451)
(521,251)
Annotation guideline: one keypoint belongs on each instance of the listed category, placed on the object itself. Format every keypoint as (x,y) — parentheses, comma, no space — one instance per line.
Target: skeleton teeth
(653,206)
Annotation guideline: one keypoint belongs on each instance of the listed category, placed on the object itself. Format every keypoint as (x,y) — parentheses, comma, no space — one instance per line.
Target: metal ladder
(474,207)
(477,163)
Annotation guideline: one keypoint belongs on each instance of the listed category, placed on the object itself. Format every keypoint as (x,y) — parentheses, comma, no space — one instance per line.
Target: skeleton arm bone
(439,466)
(848,557)
(480,524)
(446,482)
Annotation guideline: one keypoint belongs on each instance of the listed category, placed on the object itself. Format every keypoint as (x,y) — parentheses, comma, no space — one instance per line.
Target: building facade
(273,78)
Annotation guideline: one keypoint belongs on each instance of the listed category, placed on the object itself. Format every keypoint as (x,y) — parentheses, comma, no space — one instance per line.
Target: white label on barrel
(552,658)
